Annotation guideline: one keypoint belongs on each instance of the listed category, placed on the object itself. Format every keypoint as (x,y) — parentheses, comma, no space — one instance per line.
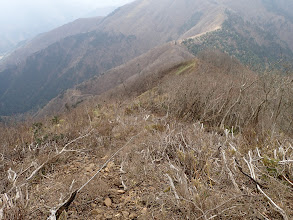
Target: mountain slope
(271,16)
(161,153)
(157,22)
(154,61)
(44,40)
(79,57)
(51,71)
(139,27)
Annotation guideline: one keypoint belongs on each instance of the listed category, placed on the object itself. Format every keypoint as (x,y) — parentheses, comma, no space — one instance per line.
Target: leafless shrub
(227,98)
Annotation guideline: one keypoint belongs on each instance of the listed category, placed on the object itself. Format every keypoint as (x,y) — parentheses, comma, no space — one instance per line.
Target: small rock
(94,205)
(118,215)
(109,166)
(105,157)
(92,165)
(133,215)
(125,214)
(144,211)
(108,202)
(108,216)
(119,191)
(97,212)
(88,169)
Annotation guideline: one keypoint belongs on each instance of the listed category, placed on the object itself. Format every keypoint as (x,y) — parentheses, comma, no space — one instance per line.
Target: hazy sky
(23,19)
(20,9)
(84,3)
(27,12)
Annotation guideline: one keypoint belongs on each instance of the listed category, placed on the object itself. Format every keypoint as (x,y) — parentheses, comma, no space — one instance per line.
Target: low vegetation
(205,139)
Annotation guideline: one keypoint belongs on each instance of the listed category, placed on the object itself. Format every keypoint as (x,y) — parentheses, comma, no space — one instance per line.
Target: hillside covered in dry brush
(203,139)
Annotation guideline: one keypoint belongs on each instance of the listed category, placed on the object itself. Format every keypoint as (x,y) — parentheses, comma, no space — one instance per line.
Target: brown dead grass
(180,162)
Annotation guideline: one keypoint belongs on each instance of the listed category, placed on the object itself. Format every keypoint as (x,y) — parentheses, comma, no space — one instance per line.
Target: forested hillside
(245,41)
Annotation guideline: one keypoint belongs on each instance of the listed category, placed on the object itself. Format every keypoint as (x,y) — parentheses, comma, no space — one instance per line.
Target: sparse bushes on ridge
(212,142)
(223,95)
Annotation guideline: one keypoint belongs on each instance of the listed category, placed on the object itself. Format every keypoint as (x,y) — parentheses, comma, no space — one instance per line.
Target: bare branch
(229,172)
(252,173)
(172,186)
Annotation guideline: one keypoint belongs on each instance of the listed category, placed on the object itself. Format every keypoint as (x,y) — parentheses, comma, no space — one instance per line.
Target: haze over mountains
(22,20)
(255,32)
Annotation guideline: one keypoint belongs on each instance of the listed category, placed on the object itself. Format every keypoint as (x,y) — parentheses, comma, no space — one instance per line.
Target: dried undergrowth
(202,143)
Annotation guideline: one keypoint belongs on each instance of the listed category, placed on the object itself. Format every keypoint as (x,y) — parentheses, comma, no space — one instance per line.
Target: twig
(76,139)
(59,153)
(285,161)
(242,89)
(289,181)
(36,170)
(229,172)
(250,165)
(214,216)
(173,186)
(205,213)
(105,164)
(241,170)
(55,213)
(123,184)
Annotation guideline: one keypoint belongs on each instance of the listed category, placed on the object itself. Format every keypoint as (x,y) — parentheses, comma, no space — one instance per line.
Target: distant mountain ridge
(134,29)
(44,40)
(101,11)
(152,62)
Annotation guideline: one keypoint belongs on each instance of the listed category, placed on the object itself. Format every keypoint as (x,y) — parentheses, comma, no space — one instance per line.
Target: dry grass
(184,150)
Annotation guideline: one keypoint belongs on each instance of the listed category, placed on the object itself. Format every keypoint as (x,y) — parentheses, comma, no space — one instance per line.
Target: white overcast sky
(16,12)
(83,3)
(17,8)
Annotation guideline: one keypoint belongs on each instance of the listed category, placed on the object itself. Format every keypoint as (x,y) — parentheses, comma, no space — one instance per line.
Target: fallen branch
(76,139)
(219,206)
(105,164)
(173,186)
(59,153)
(66,205)
(250,166)
(253,180)
(229,172)
(289,181)
(285,161)
(55,213)
(36,171)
